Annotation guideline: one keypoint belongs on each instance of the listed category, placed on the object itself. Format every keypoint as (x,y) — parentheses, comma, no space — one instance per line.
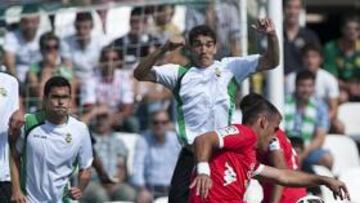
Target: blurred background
(96,44)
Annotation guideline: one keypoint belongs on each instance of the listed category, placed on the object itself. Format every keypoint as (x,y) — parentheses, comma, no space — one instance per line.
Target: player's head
(312,56)
(292,9)
(262,116)
(305,85)
(202,40)
(57,97)
(138,20)
(351,28)
(110,59)
(83,25)
(160,123)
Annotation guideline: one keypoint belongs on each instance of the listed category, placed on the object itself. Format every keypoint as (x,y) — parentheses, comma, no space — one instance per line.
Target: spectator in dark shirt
(295,37)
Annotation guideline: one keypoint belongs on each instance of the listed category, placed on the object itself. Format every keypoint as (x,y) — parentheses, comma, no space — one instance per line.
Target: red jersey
(232,166)
(281,142)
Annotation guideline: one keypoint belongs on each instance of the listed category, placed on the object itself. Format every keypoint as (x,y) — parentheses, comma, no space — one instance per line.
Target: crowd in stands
(98,61)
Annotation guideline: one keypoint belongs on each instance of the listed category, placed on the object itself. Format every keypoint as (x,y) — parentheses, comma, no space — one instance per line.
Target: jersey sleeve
(85,154)
(20,141)
(233,138)
(166,75)
(242,67)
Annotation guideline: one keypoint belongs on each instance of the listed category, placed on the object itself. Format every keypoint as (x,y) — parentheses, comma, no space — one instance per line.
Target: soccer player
(51,144)
(9,103)
(279,154)
(206,91)
(230,168)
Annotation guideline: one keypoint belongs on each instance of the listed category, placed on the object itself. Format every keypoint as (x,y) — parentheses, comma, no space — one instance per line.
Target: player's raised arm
(270,59)
(143,71)
(293,178)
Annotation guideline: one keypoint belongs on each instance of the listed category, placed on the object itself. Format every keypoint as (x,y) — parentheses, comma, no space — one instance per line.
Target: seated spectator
(137,42)
(295,36)
(154,160)
(306,119)
(22,45)
(49,66)
(342,59)
(112,153)
(326,85)
(221,16)
(82,50)
(111,87)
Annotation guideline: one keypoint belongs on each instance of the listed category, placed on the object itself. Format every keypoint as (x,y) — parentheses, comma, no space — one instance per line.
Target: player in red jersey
(279,154)
(228,171)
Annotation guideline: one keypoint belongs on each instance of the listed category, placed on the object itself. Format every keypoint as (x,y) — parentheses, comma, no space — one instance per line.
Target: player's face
(269,128)
(305,89)
(203,49)
(58,102)
(292,11)
(312,60)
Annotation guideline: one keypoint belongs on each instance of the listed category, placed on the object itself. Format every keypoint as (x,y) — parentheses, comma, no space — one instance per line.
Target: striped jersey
(205,96)
(49,155)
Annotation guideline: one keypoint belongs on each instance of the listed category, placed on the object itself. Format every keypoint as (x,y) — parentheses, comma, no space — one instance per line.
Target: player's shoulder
(7,77)
(76,124)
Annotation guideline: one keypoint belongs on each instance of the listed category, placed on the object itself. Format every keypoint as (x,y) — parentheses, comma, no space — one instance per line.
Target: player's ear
(263,122)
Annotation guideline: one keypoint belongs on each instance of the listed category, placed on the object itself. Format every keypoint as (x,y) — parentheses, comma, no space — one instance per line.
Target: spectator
(342,59)
(326,85)
(223,17)
(82,50)
(22,45)
(113,154)
(111,87)
(137,42)
(50,65)
(295,36)
(154,159)
(306,119)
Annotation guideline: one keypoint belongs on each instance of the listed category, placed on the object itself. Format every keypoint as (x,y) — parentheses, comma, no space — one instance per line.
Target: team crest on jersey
(3,92)
(68,138)
(229,174)
(231,130)
(217,72)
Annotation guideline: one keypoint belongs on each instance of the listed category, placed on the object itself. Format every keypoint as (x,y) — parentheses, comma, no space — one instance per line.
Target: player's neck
(56,120)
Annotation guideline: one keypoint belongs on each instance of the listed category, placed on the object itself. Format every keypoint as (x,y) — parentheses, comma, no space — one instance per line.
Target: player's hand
(75,193)
(338,188)
(16,121)
(18,197)
(203,184)
(265,26)
(174,43)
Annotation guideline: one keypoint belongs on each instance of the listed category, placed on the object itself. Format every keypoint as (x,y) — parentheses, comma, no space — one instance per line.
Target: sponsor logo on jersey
(229,174)
(68,138)
(231,130)
(3,92)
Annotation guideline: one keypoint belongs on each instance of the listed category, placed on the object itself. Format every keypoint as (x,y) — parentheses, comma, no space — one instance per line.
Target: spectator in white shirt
(82,50)
(326,85)
(112,88)
(22,45)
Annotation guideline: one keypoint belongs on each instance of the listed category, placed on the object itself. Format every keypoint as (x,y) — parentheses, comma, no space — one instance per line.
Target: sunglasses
(163,122)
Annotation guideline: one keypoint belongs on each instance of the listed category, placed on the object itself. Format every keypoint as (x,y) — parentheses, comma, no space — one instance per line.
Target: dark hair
(83,16)
(351,18)
(56,81)
(304,75)
(111,48)
(137,11)
(47,37)
(285,3)
(253,105)
(201,30)
(311,47)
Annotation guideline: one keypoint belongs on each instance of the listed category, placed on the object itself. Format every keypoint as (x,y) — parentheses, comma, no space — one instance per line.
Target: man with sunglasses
(51,144)
(153,159)
(206,91)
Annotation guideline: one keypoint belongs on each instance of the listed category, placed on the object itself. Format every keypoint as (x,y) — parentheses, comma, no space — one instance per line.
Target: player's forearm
(204,145)
(84,178)
(293,178)
(15,170)
(145,65)
(272,54)
(276,194)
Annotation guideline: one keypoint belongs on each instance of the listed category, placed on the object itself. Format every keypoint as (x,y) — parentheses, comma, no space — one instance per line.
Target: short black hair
(56,81)
(311,47)
(137,11)
(201,30)
(47,37)
(83,16)
(350,18)
(111,48)
(304,75)
(253,105)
